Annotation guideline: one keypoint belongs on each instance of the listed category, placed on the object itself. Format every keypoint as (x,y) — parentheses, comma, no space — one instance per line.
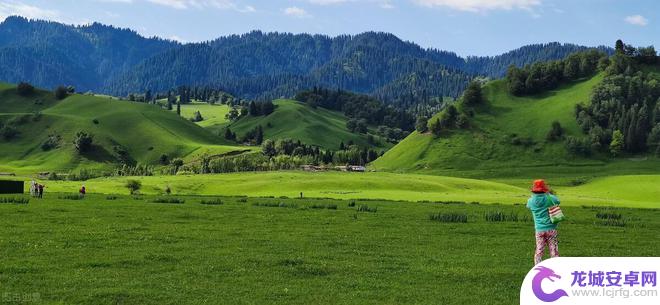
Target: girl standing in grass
(546,231)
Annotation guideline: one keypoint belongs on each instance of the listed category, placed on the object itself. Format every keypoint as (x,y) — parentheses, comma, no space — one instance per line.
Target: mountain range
(115,61)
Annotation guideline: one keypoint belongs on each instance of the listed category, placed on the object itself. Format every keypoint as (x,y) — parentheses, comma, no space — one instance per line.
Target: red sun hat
(540,186)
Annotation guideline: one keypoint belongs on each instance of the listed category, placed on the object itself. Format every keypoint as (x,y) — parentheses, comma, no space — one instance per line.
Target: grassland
(312,126)
(146,131)
(214,115)
(487,149)
(285,251)
(622,191)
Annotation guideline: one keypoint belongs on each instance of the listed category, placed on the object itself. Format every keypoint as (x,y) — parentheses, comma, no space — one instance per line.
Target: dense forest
(623,114)
(255,65)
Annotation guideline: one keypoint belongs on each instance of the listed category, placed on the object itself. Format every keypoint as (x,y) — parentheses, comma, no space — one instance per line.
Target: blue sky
(467,27)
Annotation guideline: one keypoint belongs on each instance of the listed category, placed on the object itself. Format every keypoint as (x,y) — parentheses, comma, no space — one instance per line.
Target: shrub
(61,92)
(14,200)
(8,132)
(556,132)
(449,217)
(169,200)
(52,142)
(323,206)
(351,204)
(215,201)
(133,186)
(164,159)
(499,216)
(95,121)
(24,89)
(111,198)
(83,141)
(366,208)
(243,200)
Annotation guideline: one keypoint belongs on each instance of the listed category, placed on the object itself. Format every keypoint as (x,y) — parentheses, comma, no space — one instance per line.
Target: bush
(578,146)
(24,89)
(366,208)
(8,132)
(449,217)
(111,198)
(323,206)
(215,201)
(83,141)
(351,204)
(15,200)
(556,132)
(169,200)
(61,92)
(133,186)
(52,142)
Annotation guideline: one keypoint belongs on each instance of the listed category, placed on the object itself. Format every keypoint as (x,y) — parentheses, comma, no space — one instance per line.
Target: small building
(357,168)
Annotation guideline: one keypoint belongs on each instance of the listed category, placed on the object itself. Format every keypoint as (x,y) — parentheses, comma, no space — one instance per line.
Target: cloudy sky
(468,27)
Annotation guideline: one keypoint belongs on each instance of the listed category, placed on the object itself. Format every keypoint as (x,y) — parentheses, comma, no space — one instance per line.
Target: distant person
(33,188)
(82,191)
(41,190)
(301,195)
(546,231)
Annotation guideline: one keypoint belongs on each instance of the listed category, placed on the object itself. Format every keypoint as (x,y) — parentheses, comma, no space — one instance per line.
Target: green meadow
(238,250)
(312,126)
(213,115)
(639,191)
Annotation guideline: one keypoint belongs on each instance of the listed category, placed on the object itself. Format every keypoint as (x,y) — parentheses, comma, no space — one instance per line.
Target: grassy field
(294,120)
(214,115)
(146,131)
(286,251)
(623,191)
(487,149)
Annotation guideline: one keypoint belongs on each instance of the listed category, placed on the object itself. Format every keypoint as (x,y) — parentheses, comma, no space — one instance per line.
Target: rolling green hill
(312,126)
(144,130)
(508,139)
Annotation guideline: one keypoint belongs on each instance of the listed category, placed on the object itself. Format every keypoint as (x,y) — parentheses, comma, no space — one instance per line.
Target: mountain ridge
(257,64)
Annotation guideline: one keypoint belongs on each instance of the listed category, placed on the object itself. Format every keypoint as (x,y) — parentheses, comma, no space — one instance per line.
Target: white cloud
(297,12)
(8,8)
(202,4)
(636,20)
(116,1)
(327,2)
(480,5)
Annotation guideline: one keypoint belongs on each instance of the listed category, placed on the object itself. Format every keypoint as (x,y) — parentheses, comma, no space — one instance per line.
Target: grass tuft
(169,200)
(14,200)
(449,217)
(366,208)
(216,201)
(70,197)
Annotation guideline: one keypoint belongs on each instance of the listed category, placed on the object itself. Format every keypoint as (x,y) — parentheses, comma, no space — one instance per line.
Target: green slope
(487,149)
(146,131)
(295,120)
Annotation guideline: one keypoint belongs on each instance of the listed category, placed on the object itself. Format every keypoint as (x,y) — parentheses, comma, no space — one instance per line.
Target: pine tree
(617,144)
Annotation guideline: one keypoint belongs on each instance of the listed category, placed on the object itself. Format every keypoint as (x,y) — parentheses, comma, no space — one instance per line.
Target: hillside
(116,61)
(145,131)
(508,139)
(297,121)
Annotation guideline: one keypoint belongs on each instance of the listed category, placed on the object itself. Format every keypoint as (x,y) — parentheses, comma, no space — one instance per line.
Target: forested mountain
(48,54)
(253,65)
